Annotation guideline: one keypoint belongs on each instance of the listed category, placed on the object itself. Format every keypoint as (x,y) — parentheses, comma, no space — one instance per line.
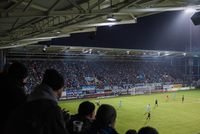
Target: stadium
(151,80)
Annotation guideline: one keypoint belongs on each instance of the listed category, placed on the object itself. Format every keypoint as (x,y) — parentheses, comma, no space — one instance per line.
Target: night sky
(164,31)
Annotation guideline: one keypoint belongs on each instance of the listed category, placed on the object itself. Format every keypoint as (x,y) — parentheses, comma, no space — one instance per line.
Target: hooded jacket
(40,115)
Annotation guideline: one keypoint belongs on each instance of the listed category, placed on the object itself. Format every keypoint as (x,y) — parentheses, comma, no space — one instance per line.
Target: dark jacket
(40,115)
(12,95)
(86,123)
(95,129)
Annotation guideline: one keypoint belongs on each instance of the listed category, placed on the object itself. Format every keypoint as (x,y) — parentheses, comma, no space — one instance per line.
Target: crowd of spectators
(39,112)
(106,73)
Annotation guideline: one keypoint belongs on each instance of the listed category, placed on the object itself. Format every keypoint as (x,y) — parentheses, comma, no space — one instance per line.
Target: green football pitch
(170,117)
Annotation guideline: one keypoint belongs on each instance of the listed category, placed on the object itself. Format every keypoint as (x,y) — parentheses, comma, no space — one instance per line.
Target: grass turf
(170,116)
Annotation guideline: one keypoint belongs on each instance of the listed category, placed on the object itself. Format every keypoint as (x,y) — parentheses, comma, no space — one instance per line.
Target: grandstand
(65,35)
(114,75)
(105,74)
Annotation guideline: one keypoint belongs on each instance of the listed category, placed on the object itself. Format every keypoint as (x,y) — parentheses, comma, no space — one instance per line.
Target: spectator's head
(86,109)
(18,71)
(106,116)
(55,80)
(131,131)
(148,130)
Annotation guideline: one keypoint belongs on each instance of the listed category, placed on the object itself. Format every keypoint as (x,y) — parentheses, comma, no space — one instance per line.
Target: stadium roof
(24,22)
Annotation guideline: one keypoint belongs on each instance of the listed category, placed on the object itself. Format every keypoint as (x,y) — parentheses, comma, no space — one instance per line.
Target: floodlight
(158,53)
(111,18)
(128,52)
(90,51)
(190,10)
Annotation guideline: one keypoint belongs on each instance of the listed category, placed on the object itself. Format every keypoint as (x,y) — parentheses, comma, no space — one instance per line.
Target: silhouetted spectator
(105,121)
(12,90)
(131,131)
(41,114)
(148,130)
(86,113)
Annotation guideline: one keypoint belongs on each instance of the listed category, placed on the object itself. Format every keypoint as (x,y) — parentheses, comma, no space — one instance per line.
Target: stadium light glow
(128,52)
(167,53)
(90,51)
(44,48)
(190,10)
(110,25)
(84,51)
(158,53)
(132,21)
(184,54)
(111,18)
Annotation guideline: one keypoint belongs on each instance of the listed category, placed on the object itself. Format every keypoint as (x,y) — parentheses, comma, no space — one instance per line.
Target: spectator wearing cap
(41,114)
(86,113)
(12,91)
